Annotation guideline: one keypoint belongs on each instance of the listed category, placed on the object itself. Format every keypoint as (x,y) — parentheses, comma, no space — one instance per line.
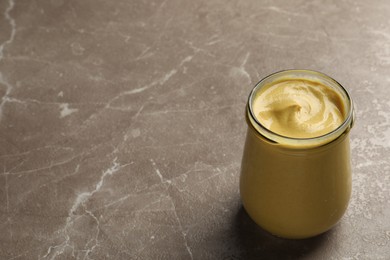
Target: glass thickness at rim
(347,123)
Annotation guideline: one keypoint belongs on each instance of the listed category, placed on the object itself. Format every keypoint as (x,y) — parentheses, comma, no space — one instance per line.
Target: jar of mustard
(296,176)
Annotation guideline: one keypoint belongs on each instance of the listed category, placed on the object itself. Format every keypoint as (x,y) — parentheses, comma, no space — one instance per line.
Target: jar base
(289,235)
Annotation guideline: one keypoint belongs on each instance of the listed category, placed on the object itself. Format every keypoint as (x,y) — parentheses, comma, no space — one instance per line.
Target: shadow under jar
(296,186)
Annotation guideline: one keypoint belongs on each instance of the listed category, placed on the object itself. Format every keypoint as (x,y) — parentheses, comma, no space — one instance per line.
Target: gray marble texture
(122,124)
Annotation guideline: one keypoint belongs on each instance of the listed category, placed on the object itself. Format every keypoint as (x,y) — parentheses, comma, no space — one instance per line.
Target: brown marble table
(122,124)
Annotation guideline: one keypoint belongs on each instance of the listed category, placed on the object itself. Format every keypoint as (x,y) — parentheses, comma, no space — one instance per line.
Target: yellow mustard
(299,108)
(295,176)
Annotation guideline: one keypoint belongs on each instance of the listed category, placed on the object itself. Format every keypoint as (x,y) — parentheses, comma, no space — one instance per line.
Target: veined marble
(122,124)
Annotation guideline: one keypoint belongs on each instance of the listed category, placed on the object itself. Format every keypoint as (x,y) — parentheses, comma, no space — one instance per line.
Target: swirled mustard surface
(299,108)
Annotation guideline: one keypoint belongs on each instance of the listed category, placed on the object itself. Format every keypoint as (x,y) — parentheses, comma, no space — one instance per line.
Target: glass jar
(296,187)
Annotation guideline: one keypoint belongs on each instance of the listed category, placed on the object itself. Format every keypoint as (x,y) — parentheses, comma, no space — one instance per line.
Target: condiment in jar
(296,177)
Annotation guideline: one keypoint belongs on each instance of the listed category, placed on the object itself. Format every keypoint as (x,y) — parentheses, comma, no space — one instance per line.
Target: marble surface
(122,124)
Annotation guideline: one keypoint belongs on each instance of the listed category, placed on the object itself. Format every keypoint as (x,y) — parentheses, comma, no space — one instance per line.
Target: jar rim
(346,125)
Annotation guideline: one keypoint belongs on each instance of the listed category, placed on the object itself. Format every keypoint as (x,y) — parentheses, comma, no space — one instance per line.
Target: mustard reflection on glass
(295,175)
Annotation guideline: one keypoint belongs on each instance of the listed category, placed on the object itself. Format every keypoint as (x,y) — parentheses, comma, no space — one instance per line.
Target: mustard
(295,176)
(299,108)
